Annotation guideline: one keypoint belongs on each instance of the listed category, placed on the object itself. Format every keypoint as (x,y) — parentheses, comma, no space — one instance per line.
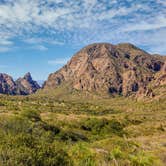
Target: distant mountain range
(22,86)
(103,68)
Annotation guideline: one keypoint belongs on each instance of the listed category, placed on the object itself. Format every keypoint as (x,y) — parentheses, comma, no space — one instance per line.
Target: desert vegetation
(45,131)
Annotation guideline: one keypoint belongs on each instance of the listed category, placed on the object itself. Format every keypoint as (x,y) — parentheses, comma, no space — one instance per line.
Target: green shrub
(141,159)
(72,136)
(116,153)
(82,155)
(52,128)
(26,143)
(31,115)
(15,125)
(102,126)
(50,155)
(42,154)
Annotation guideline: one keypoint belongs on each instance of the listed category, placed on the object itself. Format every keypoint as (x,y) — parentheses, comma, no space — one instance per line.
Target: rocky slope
(26,85)
(159,83)
(7,84)
(160,77)
(22,86)
(115,69)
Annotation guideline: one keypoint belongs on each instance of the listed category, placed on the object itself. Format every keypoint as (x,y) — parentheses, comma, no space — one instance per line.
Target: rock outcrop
(120,69)
(26,85)
(22,86)
(7,84)
(160,77)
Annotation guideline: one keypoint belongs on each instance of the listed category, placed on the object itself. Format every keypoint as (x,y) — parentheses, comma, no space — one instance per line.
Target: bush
(51,128)
(50,155)
(82,155)
(141,159)
(72,136)
(26,143)
(15,125)
(31,115)
(103,126)
(42,154)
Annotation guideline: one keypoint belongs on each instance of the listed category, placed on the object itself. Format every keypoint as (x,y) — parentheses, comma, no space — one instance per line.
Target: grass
(50,130)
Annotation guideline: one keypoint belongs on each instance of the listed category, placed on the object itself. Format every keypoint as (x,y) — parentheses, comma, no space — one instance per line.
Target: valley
(46,130)
(105,107)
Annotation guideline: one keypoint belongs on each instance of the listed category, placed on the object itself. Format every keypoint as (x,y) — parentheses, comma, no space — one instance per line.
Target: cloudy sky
(41,35)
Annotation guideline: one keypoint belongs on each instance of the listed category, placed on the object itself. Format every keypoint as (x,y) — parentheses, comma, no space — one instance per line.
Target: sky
(40,36)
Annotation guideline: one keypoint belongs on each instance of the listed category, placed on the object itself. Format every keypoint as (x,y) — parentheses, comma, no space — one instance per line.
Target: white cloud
(29,15)
(37,40)
(160,22)
(40,48)
(79,22)
(5,42)
(162,2)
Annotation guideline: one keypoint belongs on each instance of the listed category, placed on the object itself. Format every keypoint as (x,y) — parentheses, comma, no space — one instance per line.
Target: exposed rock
(22,86)
(26,85)
(160,77)
(115,69)
(7,84)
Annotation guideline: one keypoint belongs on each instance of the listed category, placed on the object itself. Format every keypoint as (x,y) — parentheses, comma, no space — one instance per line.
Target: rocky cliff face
(27,85)
(22,86)
(158,84)
(115,69)
(160,77)
(7,84)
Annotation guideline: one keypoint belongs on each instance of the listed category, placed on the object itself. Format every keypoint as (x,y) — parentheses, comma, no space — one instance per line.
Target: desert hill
(121,69)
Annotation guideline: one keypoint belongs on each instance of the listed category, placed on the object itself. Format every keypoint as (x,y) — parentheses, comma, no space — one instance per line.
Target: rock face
(160,77)
(27,85)
(7,84)
(115,69)
(22,86)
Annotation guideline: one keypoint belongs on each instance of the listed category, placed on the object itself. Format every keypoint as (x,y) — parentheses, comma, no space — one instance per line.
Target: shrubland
(49,131)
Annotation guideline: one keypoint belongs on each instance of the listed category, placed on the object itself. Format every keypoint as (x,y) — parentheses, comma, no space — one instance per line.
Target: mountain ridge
(122,69)
(22,86)
(102,68)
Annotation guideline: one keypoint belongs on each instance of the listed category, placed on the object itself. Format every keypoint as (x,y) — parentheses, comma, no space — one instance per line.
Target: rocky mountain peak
(7,84)
(128,46)
(22,86)
(28,76)
(102,67)
(26,85)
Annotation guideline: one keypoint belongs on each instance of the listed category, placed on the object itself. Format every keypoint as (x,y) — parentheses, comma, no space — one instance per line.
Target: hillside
(104,68)
(45,130)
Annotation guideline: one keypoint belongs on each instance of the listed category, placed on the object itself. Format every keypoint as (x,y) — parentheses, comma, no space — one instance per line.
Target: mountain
(121,69)
(7,84)
(26,85)
(22,86)
(159,83)
(160,77)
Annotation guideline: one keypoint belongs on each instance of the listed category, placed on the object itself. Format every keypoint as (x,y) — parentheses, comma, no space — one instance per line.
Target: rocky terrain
(7,84)
(26,85)
(101,68)
(22,86)
(73,121)
(115,69)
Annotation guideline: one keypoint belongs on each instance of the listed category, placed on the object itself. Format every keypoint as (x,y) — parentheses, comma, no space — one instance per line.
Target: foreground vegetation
(45,131)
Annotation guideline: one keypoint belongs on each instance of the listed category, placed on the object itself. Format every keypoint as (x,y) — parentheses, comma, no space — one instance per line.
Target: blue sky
(40,36)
